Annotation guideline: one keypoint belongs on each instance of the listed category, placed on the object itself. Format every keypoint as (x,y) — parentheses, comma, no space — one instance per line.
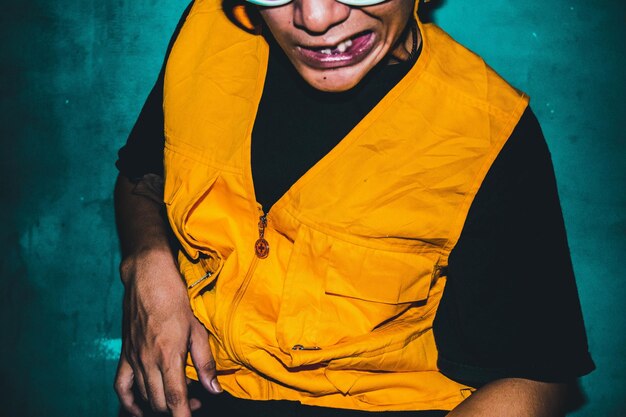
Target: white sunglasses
(274,3)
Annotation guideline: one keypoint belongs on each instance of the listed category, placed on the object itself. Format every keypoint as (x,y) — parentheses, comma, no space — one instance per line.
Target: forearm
(139,214)
(515,397)
(142,226)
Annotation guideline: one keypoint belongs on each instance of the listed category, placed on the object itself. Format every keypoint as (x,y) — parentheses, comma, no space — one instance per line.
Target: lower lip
(361,46)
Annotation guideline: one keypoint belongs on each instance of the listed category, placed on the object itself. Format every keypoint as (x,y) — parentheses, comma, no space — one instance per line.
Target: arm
(515,397)
(510,315)
(159,326)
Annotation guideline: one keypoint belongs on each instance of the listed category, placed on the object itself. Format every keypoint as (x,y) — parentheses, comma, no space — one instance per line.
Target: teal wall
(74,75)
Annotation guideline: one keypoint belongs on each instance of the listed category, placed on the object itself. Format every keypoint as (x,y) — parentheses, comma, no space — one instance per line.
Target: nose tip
(318,16)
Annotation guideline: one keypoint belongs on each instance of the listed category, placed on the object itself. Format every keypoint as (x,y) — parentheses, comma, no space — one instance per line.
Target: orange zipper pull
(261,246)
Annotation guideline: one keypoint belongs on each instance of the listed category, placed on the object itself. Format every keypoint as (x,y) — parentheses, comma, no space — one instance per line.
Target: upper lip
(331,44)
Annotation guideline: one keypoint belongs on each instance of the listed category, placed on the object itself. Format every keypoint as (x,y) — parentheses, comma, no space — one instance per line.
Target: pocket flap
(378,275)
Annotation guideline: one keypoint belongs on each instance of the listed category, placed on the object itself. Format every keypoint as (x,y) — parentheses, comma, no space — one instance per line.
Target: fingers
(154,387)
(124,381)
(175,388)
(164,382)
(195,404)
(140,383)
(202,358)
(138,373)
(163,386)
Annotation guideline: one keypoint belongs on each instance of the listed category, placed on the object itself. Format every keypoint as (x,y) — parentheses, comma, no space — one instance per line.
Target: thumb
(203,360)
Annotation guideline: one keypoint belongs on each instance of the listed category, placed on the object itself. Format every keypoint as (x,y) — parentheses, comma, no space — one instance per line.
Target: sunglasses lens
(273,3)
(268,3)
(359,3)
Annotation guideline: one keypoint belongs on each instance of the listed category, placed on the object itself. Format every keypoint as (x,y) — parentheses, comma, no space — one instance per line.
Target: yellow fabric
(356,244)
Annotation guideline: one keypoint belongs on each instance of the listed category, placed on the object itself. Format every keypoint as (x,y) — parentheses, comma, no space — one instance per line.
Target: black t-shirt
(510,307)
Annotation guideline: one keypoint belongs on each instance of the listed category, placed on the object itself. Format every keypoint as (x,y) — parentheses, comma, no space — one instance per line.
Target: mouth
(348,52)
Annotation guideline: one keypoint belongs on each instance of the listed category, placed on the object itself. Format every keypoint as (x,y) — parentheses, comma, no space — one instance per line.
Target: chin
(333,80)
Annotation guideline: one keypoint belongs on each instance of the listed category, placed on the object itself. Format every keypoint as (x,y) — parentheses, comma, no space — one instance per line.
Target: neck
(408,44)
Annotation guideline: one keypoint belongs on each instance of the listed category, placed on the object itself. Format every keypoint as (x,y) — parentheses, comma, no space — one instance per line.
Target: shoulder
(465,74)
(510,307)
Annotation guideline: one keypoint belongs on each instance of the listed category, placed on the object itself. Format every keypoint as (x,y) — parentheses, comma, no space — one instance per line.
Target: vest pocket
(200,259)
(199,275)
(182,204)
(379,276)
(346,300)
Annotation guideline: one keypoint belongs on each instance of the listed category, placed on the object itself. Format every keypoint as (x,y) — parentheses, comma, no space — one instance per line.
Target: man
(389,163)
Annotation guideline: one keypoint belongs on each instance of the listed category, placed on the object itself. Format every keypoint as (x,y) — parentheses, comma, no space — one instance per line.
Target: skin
(159,326)
(319,23)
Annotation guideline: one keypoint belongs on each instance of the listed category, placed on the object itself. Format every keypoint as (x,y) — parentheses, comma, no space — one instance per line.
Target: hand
(159,330)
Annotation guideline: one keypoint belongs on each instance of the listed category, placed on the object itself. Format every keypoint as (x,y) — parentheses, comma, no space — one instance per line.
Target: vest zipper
(261,247)
(261,250)
(198,281)
(230,323)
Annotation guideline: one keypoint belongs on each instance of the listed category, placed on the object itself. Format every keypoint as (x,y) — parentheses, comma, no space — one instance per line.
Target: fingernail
(216,385)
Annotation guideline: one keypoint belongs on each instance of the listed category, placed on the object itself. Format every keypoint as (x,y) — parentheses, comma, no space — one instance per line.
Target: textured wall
(73,77)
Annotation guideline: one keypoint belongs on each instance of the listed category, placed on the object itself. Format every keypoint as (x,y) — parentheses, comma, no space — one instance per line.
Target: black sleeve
(510,307)
(143,152)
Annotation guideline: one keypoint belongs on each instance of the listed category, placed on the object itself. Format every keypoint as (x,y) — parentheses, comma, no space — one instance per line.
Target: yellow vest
(340,312)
